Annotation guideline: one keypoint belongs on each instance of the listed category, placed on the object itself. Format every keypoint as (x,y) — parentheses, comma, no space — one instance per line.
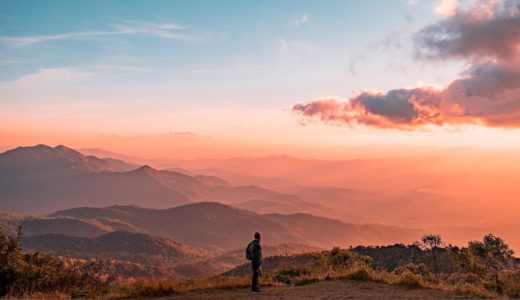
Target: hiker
(254,254)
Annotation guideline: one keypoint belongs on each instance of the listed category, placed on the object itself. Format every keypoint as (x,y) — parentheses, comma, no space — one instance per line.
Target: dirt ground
(341,289)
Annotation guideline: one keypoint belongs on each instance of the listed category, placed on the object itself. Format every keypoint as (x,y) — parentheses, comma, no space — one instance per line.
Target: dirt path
(341,289)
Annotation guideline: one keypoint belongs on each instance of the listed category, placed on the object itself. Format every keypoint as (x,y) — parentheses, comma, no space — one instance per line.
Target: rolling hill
(120,245)
(212,225)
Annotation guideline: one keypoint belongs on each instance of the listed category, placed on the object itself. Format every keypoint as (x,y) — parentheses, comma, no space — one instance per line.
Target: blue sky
(230,48)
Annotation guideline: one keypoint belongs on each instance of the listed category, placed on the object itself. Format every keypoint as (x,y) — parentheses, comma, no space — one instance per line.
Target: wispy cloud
(411,2)
(123,27)
(8,61)
(121,69)
(303,19)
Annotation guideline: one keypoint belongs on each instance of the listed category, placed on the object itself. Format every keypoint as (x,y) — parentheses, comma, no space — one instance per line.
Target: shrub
(25,275)
(511,284)
(411,280)
(360,273)
(419,269)
(474,291)
(143,288)
(464,278)
(293,272)
(287,275)
(341,258)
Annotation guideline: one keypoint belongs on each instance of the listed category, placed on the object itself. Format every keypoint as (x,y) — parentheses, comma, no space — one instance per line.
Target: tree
(494,253)
(10,259)
(432,242)
(23,274)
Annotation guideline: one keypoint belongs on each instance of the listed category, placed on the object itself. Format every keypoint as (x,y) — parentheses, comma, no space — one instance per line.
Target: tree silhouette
(494,253)
(432,242)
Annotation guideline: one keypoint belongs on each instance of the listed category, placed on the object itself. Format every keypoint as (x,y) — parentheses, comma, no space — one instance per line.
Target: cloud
(411,2)
(185,134)
(446,7)
(490,29)
(124,27)
(402,108)
(45,78)
(487,36)
(302,20)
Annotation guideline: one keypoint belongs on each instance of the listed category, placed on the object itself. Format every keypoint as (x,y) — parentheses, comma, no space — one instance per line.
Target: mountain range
(216,226)
(131,252)
(122,245)
(42,179)
(208,226)
(176,222)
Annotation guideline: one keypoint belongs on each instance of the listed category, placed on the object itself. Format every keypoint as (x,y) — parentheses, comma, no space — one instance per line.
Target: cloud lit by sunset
(484,35)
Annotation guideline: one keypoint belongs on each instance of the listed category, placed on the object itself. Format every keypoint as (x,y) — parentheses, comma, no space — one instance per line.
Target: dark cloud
(487,35)
(395,105)
(401,108)
(490,29)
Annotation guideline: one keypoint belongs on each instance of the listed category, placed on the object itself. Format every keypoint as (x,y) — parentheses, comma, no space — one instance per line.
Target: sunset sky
(192,79)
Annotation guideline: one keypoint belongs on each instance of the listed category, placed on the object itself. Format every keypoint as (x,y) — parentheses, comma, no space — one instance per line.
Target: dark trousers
(256,273)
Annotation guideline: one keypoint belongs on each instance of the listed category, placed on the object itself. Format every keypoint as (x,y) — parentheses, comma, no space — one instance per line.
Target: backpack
(250,254)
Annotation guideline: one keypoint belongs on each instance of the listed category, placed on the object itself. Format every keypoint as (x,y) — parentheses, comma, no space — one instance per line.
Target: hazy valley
(192,219)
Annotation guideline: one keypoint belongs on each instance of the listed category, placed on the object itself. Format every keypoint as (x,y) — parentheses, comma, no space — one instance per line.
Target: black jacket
(257,253)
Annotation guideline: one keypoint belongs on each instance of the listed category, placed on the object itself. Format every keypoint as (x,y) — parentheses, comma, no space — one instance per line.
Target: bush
(420,269)
(143,288)
(411,280)
(287,275)
(511,284)
(474,291)
(360,273)
(343,258)
(28,274)
(464,278)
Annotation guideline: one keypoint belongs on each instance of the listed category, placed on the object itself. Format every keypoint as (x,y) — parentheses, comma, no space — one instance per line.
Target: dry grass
(335,265)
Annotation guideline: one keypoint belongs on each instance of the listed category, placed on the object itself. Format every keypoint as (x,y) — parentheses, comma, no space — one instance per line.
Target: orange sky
(319,141)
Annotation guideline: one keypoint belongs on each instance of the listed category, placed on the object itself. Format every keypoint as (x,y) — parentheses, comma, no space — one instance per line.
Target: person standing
(254,254)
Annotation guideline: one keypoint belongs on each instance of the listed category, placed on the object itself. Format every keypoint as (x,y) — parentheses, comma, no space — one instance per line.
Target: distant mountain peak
(39,152)
(64,148)
(145,169)
(39,146)
(30,163)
